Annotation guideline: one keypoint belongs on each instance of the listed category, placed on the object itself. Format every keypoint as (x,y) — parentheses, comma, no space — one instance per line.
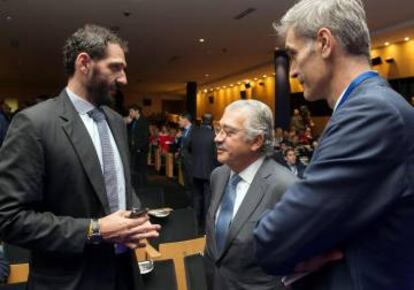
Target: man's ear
(258,142)
(325,42)
(83,63)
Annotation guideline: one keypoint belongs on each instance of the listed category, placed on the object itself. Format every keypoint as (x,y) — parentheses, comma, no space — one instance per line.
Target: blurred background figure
(204,158)
(138,137)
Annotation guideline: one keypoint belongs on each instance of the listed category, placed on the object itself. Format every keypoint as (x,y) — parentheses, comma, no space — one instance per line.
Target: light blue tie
(226,211)
(108,158)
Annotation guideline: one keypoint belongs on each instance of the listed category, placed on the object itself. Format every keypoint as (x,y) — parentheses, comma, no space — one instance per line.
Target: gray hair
(259,121)
(346,20)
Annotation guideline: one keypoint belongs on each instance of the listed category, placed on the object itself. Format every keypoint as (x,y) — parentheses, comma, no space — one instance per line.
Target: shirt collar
(250,171)
(341,96)
(81,105)
(339,99)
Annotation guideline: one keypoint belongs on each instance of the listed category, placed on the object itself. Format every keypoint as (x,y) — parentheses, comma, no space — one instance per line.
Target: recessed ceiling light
(407,38)
(264,76)
(231,85)
(255,79)
(211,90)
(273,73)
(206,75)
(224,87)
(386,43)
(9,18)
(239,83)
(201,40)
(205,90)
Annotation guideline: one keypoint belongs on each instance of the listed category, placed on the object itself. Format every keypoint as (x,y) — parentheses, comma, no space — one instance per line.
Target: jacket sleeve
(22,178)
(355,177)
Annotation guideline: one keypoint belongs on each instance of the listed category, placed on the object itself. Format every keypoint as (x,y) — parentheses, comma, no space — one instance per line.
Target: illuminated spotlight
(386,43)
(255,79)
(201,40)
(239,83)
(273,73)
(205,91)
(211,89)
(231,85)
(264,76)
(407,38)
(224,87)
(206,75)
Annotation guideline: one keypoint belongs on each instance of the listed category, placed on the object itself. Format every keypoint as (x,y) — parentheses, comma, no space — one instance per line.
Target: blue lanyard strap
(355,83)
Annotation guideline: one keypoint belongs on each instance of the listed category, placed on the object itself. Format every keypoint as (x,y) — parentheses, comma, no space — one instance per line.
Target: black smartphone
(137,212)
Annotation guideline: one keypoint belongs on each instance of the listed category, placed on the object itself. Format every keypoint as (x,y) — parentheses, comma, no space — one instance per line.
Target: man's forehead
(232,118)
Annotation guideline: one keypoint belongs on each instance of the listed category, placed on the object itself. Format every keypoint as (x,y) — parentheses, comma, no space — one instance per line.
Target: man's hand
(119,228)
(317,262)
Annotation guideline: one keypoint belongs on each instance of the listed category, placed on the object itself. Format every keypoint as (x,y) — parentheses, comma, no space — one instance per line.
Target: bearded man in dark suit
(65,177)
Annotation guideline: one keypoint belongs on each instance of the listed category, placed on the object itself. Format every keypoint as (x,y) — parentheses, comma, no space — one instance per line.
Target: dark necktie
(226,212)
(108,158)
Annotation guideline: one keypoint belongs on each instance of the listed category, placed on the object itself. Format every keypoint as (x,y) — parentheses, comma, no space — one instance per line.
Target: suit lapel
(250,202)
(117,128)
(82,143)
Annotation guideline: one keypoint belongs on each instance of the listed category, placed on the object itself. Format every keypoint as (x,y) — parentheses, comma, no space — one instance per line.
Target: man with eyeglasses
(246,185)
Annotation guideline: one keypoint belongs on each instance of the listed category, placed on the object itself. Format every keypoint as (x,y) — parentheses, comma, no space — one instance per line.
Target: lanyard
(356,82)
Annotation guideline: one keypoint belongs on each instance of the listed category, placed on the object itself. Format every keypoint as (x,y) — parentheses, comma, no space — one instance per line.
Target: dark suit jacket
(51,186)
(357,195)
(236,267)
(203,152)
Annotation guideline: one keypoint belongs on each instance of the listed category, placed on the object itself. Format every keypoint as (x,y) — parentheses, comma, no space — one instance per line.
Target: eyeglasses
(226,131)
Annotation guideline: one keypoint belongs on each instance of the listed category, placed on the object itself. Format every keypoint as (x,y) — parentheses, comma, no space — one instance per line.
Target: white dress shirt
(83,107)
(247,176)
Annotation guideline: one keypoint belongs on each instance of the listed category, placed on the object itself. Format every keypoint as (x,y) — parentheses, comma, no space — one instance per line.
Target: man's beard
(99,91)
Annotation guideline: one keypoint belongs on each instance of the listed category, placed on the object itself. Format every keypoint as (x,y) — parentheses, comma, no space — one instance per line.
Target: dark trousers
(139,169)
(201,201)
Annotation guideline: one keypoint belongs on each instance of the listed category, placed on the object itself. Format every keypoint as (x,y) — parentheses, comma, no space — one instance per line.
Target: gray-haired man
(242,189)
(357,195)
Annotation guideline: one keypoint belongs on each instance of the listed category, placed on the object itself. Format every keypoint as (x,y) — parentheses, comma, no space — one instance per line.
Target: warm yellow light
(255,79)
(386,43)
(211,90)
(205,90)
(201,40)
(264,76)
(407,38)
(231,85)
(239,83)
(224,87)
(206,75)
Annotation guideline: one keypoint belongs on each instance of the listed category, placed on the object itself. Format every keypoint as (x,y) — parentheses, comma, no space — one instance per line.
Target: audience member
(185,124)
(292,163)
(204,161)
(138,137)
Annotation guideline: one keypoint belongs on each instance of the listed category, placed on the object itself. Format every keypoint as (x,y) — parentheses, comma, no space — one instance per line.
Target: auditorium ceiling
(164,37)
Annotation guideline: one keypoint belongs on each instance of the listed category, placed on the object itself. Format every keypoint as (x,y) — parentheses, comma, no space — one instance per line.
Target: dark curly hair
(93,40)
